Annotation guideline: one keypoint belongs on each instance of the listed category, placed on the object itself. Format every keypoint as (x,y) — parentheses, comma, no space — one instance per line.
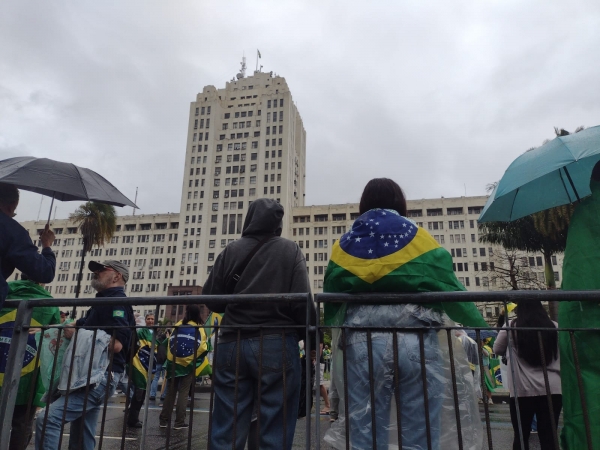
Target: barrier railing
(345,438)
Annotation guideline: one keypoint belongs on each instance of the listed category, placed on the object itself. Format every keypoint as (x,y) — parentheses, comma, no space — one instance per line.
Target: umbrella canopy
(554,174)
(60,180)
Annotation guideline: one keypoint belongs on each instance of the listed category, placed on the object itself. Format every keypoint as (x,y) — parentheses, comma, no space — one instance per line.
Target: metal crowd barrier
(24,315)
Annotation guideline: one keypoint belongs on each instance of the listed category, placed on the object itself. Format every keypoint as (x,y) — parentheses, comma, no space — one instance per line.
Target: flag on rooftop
(258,51)
(385,252)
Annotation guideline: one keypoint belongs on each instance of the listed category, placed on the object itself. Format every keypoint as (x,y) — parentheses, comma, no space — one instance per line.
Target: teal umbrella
(557,173)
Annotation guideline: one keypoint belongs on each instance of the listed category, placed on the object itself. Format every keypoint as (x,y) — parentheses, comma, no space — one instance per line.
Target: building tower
(244,142)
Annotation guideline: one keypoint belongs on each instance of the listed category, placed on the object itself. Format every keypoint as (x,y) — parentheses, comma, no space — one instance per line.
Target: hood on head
(264,217)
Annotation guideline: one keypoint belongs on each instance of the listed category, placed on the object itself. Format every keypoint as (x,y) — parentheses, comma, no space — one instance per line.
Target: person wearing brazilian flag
(30,384)
(139,377)
(386,252)
(187,345)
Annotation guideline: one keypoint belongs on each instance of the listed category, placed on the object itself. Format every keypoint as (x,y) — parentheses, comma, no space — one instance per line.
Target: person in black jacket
(17,250)
(109,280)
(277,267)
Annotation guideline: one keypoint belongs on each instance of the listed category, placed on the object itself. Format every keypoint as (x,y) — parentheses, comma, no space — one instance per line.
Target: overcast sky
(440,96)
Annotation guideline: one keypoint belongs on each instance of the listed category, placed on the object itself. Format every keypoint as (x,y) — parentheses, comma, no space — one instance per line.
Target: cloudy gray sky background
(436,95)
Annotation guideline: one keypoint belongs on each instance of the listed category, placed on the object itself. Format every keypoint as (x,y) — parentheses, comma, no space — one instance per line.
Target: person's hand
(47,237)
(69,330)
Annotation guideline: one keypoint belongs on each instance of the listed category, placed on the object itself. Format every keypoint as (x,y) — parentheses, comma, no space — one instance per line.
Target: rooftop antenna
(258,56)
(135,201)
(242,73)
(40,210)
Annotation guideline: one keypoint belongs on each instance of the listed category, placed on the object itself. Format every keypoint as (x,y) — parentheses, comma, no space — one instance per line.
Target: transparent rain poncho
(443,400)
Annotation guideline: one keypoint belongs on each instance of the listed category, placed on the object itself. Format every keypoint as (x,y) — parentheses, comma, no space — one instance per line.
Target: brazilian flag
(186,341)
(385,252)
(141,360)
(210,327)
(24,290)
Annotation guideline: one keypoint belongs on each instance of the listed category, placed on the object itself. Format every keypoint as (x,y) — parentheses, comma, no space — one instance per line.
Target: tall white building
(247,141)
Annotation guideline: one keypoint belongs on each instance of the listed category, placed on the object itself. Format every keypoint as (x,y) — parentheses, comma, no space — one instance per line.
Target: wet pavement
(156,437)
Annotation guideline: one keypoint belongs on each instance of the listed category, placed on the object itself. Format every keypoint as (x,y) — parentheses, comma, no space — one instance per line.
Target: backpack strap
(239,270)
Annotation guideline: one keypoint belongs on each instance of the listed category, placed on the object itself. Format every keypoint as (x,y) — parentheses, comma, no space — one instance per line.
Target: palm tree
(97,223)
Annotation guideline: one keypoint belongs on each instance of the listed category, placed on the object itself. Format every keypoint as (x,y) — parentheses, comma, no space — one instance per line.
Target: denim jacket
(81,360)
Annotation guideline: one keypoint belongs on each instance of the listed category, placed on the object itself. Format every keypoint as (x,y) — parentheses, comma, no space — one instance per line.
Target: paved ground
(156,437)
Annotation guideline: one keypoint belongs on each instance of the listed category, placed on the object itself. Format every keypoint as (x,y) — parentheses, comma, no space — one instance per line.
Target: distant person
(529,384)
(23,416)
(16,248)
(162,342)
(63,316)
(277,267)
(179,367)
(109,278)
(140,376)
(386,252)
(581,269)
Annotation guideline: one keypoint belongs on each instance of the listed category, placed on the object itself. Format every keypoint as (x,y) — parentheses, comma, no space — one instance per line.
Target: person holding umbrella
(16,248)
(580,272)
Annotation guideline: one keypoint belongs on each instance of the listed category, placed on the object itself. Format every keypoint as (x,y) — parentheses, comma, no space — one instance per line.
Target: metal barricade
(311,434)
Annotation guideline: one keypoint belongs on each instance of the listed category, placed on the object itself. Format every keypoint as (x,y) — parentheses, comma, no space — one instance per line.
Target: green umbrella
(554,174)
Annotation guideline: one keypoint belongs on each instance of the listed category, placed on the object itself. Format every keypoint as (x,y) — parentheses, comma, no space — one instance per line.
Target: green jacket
(25,290)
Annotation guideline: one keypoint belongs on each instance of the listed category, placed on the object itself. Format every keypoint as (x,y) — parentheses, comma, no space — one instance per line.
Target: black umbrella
(63,181)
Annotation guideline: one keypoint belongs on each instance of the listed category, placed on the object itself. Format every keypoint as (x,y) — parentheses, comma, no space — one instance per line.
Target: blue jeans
(157,374)
(414,432)
(86,424)
(273,425)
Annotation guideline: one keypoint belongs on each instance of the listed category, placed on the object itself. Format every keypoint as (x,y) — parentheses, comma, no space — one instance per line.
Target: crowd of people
(398,385)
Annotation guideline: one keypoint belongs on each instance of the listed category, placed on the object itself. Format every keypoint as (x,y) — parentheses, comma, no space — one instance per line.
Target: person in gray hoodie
(277,267)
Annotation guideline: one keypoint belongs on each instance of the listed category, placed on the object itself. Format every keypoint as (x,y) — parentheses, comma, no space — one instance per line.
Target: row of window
(440,212)
(325,217)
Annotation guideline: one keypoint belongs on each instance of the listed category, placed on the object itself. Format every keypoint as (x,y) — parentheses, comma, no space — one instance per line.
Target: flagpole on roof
(258,56)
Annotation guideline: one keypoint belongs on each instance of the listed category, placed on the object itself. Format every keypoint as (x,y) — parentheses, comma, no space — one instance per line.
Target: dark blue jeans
(274,425)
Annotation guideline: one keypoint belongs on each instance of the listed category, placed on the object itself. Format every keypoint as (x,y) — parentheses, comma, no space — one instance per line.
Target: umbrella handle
(50,213)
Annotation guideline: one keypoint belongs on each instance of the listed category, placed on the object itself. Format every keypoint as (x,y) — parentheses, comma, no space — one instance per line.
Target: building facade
(244,142)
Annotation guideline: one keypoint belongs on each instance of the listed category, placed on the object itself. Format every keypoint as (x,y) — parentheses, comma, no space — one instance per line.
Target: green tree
(544,232)
(97,223)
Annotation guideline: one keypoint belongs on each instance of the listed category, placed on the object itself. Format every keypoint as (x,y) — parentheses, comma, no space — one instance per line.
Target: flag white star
(404,225)
(370,251)
(357,239)
(382,236)
(396,241)
(376,223)
(383,213)
(371,220)
(386,244)
(371,234)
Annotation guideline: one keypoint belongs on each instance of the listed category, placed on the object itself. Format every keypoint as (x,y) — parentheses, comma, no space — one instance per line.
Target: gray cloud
(436,95)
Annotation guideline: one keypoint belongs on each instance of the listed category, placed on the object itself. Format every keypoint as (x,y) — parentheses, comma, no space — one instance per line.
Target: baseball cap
(113,264)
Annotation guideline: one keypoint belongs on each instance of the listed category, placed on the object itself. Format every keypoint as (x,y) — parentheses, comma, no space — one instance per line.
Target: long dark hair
(382,193)
(192,314)
(531,313)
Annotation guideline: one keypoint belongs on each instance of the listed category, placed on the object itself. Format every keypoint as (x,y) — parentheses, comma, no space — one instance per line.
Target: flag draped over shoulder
(186,341)
(41,316)
(385,252)
(141,360)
